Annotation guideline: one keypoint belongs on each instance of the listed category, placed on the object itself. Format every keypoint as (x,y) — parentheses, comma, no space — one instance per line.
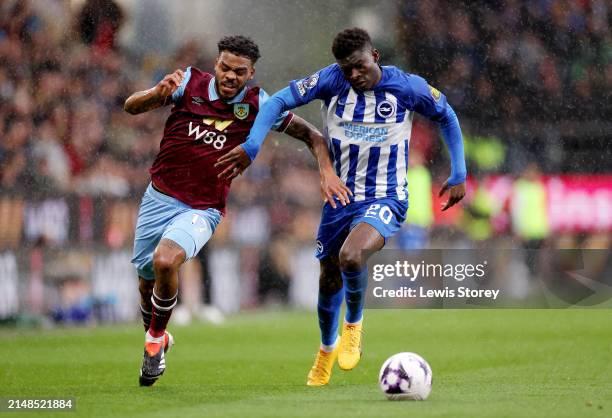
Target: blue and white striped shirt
(368,132)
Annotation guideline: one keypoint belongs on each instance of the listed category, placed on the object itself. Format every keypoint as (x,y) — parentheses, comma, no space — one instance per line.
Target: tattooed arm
(158,96)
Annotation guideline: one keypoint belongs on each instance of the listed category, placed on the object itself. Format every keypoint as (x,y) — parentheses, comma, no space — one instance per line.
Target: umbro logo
(197,100)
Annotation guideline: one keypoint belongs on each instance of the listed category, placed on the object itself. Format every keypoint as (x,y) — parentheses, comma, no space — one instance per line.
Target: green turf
(492,363)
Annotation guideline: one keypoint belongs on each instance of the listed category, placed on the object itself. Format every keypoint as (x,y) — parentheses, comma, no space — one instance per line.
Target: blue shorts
(386,215)
(161,216)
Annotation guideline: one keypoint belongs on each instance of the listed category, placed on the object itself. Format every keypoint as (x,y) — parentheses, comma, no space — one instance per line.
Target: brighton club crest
(385,109)
(241,110)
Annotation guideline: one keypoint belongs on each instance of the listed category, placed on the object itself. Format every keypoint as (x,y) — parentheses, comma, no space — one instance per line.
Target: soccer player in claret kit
(185,200)
(367,113)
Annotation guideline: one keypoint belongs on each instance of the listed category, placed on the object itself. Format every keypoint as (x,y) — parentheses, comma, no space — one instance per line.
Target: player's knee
(166,261)
(350,259)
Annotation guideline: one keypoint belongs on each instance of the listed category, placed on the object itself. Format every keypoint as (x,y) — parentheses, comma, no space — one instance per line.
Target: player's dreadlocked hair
(239,45)
(349,41)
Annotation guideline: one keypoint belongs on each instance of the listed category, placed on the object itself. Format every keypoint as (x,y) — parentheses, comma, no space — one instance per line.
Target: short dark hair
(349,41)
(240,45)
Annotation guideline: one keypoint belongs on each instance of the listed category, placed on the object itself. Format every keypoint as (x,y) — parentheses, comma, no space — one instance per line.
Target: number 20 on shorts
(379,211)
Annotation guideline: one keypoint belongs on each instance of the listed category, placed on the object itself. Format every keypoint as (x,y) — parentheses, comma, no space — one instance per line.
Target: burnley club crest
(241,110)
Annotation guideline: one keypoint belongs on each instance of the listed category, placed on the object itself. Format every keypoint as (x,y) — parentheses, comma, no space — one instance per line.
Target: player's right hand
(233,163)
(169,84)
(332,187)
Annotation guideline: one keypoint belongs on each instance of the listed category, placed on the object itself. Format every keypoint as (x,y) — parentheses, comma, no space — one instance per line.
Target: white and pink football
(405,376)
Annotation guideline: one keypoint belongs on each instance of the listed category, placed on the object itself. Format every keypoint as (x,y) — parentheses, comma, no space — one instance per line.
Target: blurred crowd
(514,60)
(536,74)
(60,109)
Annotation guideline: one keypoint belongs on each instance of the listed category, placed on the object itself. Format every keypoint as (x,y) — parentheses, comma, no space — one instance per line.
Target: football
(405,376)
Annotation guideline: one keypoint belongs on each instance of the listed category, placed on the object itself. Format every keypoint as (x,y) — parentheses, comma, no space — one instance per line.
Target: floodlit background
(529,80)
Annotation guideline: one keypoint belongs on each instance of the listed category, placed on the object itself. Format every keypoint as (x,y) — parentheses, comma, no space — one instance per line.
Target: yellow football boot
(321,371)
(350,346)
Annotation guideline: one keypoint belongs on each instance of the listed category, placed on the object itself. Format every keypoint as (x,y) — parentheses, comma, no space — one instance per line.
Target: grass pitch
(494,363)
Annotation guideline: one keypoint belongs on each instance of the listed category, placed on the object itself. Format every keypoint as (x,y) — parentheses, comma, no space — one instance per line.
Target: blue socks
(328,308)
(355,285)
(329,312)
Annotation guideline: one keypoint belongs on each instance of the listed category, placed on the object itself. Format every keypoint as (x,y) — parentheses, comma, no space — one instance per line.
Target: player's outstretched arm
(331,185)
(238,159)
(431,103)
(160,95)
(451,132)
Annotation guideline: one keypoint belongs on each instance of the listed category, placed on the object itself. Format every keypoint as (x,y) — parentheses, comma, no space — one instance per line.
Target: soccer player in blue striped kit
(367,112)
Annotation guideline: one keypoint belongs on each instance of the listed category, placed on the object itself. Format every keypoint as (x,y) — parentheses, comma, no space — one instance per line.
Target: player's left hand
(237,160)
(457,192)
(332,186)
